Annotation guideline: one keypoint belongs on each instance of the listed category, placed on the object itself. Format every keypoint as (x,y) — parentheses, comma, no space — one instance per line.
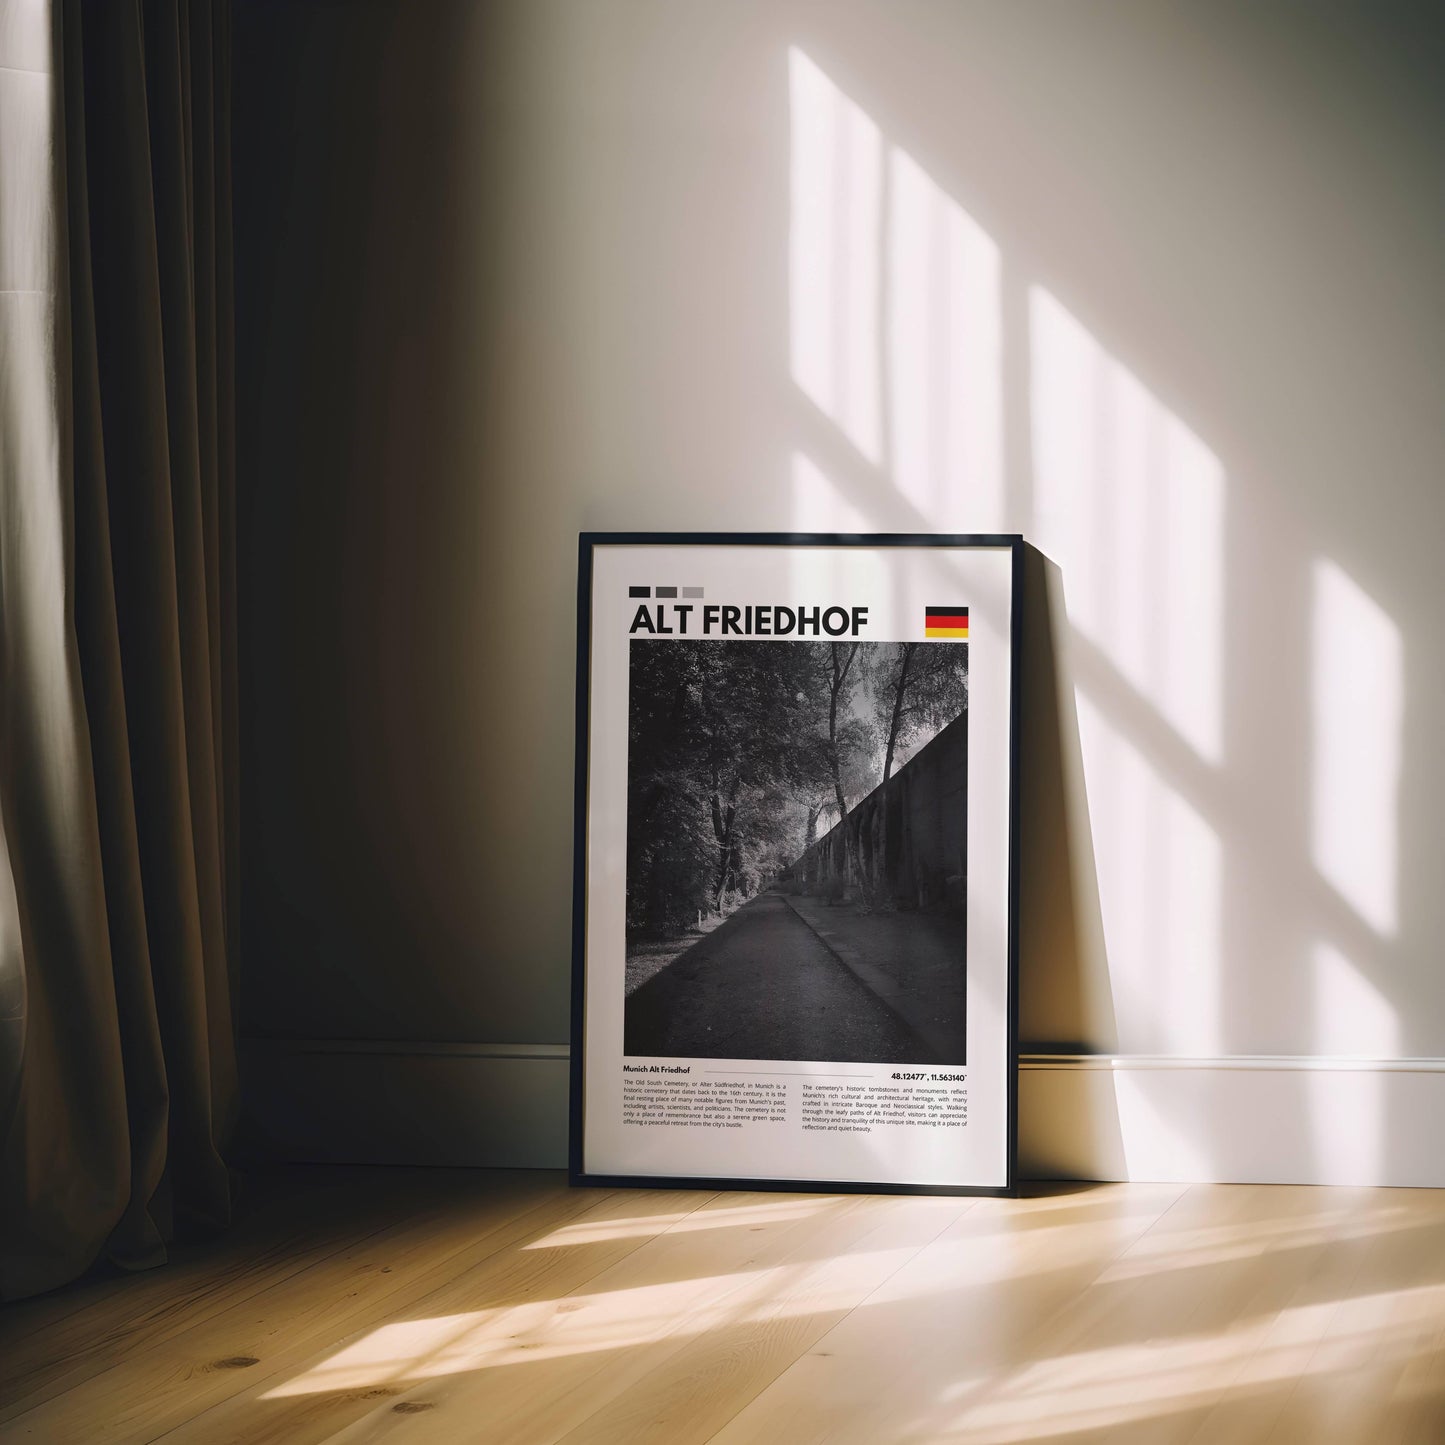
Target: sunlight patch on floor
(589,1322)
(1121,1384)
(588,1232)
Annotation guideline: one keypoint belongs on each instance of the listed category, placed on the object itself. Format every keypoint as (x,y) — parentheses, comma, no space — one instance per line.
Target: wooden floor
(353,1305)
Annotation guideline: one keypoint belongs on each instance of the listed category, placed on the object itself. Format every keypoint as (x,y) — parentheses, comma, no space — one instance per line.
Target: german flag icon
(946,622)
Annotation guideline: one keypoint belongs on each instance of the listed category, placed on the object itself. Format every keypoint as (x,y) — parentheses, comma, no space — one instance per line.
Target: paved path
(764,986)
(913,962)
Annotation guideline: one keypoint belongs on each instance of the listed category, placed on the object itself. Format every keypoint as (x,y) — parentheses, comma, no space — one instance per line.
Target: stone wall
(910,836)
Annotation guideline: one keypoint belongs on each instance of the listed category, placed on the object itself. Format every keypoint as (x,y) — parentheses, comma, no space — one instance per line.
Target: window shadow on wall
(1221,877)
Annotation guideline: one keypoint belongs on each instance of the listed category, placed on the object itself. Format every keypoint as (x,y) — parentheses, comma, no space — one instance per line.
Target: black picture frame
(588,542)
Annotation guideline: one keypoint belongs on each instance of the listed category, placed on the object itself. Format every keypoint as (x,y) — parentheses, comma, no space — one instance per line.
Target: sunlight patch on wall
(1359,702)
(837,183)
(817,504)
(1347,1112)
(1348,1125)
(896,320)
(1160,871)
(1130,504)
(1155,1146)
(1352,1017)
(944,332)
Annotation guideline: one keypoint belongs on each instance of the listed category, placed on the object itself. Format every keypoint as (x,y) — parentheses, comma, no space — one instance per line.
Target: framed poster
(795,911)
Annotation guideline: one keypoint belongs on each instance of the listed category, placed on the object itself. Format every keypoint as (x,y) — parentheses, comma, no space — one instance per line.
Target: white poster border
(888,575)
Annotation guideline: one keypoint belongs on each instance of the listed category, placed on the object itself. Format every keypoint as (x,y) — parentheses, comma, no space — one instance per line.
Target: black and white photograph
(797,855)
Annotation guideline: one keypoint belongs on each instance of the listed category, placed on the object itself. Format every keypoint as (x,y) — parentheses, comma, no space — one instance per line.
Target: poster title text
(721,620)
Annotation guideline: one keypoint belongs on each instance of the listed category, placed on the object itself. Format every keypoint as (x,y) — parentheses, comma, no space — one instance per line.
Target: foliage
(918,688)
(728,753)
(742,753)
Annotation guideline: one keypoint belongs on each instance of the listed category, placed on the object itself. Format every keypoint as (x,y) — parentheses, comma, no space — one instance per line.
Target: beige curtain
(117,675)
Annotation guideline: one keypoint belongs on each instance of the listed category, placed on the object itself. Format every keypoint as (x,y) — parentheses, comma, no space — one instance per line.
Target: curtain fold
(118,775)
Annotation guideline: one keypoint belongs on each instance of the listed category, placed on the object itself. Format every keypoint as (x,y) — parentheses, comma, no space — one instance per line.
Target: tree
(736,751)
(724,745)
(841,656)
(918,688)
(760,701)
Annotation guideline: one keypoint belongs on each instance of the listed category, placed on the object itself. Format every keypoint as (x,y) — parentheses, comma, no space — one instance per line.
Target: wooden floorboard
(433,1306)
(287,1223)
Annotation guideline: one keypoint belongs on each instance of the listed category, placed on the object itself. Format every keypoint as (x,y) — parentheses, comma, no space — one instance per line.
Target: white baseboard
(344,1101)
(1221,1120)
(1284,1120)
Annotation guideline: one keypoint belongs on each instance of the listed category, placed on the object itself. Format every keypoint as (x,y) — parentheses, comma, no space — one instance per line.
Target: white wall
(1158,286)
